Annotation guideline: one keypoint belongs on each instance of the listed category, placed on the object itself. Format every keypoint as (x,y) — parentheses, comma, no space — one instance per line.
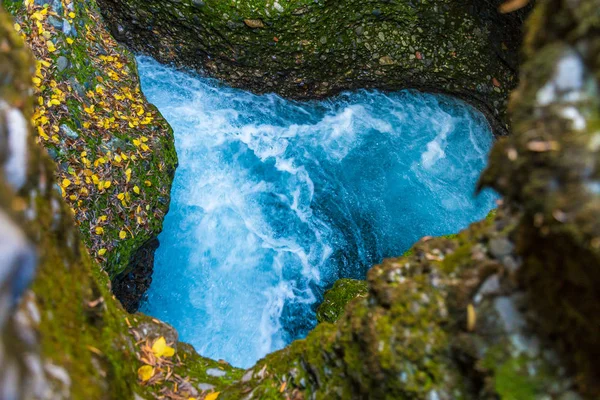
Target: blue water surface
(274,200)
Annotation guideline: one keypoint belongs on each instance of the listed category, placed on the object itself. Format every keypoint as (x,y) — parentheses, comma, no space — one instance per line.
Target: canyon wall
(312,49)
(506,309)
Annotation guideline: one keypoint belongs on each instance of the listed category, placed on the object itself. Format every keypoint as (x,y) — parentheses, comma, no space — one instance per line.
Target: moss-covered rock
(307,49)
(551,172)
(115,153)
(336,298)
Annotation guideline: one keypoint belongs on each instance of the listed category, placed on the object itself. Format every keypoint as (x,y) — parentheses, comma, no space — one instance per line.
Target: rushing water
(274,200)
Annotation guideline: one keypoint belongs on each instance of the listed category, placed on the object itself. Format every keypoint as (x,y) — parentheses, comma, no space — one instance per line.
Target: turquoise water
(274,200)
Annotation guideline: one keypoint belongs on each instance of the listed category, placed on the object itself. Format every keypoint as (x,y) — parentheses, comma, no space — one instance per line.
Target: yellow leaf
(128,174)
(120,196)
(145,373)
(50,46)
(122,234)
(17,27)
(101,252)
(106,184)
(71,15)
(160,348)
(471,317)
(169,352)
(66,182)
(212,396)
(99,230)
(136,190)
(136,142)
(70,41)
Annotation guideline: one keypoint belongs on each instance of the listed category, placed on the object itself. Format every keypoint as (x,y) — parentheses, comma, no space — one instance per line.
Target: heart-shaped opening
(274,200)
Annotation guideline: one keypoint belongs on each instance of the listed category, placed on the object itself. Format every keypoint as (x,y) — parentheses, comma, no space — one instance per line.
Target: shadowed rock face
(312,49)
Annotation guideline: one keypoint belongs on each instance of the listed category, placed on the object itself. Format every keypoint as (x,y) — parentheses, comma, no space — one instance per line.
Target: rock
(444,27)
(62,63)
(336,298)
(500,247)
(386,60)
(254,23)
(215,372)
(247,376)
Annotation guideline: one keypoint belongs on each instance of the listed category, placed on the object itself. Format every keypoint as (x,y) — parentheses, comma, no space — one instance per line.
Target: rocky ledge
(114,151)
(312,49)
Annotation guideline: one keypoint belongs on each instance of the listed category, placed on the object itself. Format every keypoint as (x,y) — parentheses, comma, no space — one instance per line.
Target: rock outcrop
(308,49)
(114,151)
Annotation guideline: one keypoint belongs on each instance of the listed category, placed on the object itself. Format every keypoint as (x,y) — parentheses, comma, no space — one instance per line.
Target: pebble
(62,63)
(215,372)
(205,386)
(500,247)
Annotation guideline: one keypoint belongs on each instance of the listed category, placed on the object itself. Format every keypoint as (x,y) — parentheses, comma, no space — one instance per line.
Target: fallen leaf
(161,349)
(471,318)
(512,5)
(145,373)
(539,146)
(212,396)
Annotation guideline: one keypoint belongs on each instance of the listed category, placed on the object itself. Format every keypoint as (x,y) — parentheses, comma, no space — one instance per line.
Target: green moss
(336,298)
(307,49)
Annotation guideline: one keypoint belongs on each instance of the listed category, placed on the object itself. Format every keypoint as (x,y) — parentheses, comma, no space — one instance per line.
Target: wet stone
(66,130)
(205,386)
(215,372)
(500,247)
(62,63)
